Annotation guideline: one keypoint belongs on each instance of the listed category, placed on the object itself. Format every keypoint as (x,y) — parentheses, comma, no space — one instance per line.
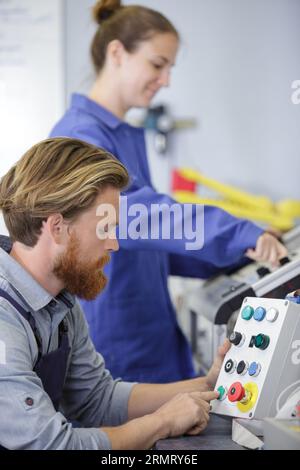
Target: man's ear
(57,228)
(115,51)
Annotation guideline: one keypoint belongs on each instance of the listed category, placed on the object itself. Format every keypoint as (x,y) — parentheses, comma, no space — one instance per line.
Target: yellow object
(241,203)
(229,192)
(289,207)
(281,222)
(295,428)
(252,390)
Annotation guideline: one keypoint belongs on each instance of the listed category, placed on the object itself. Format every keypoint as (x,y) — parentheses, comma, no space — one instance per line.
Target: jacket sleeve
(186,266)
(206,234)
(220,239)
(91,396)
(32,424)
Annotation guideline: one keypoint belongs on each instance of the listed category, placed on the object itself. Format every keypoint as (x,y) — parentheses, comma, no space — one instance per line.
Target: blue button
(259,314)
(254,369)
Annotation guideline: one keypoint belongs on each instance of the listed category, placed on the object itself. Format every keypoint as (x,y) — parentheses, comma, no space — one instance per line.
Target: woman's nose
(165,77)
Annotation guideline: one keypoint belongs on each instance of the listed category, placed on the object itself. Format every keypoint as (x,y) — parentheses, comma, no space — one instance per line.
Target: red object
(236,392)
(179,183)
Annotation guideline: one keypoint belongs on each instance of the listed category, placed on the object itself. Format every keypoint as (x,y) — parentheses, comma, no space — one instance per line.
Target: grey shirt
(90,397)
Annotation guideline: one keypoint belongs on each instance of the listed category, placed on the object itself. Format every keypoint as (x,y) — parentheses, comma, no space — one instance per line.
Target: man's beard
(83,279)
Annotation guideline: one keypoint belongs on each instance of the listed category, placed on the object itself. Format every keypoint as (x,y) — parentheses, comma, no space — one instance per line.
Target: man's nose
(111,244)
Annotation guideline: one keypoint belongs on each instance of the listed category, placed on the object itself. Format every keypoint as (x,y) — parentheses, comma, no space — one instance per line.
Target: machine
(214,306)
(263,362)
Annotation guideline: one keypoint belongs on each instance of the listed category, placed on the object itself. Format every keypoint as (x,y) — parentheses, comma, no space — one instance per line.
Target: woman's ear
(115,52)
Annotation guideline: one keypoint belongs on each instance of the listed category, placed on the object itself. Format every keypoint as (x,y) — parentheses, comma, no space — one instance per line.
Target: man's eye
(107,231)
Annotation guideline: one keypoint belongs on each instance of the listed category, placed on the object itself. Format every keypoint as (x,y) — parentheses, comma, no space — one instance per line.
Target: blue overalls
(133,323)
(50,368)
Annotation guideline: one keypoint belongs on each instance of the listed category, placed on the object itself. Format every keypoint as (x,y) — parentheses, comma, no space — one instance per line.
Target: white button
(272,314)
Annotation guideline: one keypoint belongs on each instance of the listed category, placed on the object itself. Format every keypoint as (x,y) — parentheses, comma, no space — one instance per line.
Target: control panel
(263,360)
(215,303)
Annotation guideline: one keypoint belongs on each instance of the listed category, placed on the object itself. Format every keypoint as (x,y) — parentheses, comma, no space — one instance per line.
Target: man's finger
(208,396)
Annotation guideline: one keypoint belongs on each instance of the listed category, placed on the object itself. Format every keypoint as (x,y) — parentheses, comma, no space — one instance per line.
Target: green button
(262,341)
(247,313)
(221,391)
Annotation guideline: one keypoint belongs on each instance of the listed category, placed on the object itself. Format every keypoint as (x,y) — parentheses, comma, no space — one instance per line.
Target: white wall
(31,75)
(79,32)
(234,74)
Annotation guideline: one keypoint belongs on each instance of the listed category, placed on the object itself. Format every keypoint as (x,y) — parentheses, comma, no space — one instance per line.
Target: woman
(133,323)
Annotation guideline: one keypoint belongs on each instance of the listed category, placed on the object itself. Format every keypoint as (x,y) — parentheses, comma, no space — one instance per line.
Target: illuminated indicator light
(259,314)
(262,341)
(272,315)
(247,313)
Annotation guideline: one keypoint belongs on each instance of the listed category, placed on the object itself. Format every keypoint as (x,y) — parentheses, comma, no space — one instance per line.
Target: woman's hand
(268,249)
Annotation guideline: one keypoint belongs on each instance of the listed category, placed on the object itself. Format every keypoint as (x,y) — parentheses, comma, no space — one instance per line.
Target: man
(50,373)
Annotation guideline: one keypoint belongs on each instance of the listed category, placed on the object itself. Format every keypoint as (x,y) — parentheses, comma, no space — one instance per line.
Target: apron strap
(27,315)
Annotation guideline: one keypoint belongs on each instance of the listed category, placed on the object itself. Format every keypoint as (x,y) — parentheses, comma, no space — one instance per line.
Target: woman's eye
(157,66)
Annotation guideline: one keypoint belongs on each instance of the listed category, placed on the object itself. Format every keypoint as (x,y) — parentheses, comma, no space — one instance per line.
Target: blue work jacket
(133,323)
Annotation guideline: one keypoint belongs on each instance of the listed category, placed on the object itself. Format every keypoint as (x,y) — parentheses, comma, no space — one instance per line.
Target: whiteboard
(31,74)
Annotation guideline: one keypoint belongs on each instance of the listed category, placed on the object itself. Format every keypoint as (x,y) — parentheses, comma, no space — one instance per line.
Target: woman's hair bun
(104,9)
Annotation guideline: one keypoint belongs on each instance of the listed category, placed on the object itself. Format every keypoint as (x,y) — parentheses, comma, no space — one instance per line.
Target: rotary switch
(237,338)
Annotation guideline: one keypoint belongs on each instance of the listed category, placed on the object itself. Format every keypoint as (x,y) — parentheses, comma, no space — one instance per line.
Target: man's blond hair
(58,175)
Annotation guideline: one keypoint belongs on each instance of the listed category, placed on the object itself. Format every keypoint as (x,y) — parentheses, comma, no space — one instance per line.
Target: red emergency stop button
(236,392)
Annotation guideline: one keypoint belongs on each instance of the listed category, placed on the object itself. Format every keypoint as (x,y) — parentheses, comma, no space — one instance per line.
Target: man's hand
(214,371)
(186,413)
(268,249)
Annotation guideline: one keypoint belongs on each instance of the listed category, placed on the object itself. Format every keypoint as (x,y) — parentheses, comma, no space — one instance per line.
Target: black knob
(242,367)
(263,271)
(235,338)
(284,261)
